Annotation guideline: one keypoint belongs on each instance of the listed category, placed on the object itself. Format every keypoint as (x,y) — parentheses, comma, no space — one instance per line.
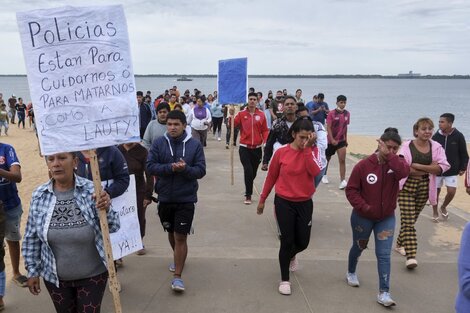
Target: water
(374,103)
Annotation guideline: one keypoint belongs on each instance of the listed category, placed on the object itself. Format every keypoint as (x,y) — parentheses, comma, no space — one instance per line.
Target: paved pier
(232,264)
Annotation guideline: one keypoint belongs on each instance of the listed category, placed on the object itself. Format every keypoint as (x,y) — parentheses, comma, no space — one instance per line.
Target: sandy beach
(34,169)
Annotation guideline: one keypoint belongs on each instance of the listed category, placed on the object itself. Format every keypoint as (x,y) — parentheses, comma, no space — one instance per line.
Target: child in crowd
(3,117)
(231,113)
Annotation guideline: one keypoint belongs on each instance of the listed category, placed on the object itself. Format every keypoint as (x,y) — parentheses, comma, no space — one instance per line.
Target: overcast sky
(279,37)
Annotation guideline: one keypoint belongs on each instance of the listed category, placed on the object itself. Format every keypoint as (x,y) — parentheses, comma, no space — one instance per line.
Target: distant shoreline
(294,76)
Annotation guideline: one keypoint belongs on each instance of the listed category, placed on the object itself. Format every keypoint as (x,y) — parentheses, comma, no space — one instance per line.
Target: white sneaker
(343,184)
(400,250)
(284,288)
(294,265)
(411,263)
(218,139)
(352,279)
(385,299)
(325,180)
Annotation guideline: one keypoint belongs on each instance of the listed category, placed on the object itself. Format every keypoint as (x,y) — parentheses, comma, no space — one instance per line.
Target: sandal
(435,219)
(21,281)
(445,216)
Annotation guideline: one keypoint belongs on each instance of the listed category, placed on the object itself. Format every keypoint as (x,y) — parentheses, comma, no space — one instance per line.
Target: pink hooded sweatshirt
(438,155)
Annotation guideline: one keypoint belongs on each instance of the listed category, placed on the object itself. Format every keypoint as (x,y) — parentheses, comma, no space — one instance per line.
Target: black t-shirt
(21,108)
(278,107)
(12,102)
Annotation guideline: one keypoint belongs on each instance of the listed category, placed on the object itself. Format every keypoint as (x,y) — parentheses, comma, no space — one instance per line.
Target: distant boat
(409,74)
(184,79)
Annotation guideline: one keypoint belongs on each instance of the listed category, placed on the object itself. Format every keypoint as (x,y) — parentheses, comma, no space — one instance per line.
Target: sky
(308,37)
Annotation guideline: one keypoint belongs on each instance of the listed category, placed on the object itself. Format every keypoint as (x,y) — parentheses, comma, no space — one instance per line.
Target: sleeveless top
(419,157)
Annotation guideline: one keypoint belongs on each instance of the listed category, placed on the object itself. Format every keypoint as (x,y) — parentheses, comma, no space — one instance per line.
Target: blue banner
(232,81)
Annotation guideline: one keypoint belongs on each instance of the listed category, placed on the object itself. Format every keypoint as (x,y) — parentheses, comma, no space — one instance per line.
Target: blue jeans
(383,233)
(4,124)
(2,283)
(319,177)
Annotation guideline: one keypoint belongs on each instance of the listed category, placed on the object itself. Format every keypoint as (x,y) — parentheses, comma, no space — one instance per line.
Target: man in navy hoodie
(455,146)
(178,162)
(113,169)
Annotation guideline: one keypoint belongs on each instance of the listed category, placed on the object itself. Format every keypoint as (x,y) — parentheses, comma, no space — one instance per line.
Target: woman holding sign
(63,243)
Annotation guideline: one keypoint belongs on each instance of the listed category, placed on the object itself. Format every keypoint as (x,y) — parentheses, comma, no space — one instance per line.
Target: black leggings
(295,223)
(250,158)
(217,125)
(78,296)
(235,135)
(141,212)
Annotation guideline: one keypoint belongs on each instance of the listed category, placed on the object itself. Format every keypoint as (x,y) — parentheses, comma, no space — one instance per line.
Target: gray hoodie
(154,130)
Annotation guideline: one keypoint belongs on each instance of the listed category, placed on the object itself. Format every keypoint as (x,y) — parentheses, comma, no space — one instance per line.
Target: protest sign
(80,77)
(232,81)
(127,239)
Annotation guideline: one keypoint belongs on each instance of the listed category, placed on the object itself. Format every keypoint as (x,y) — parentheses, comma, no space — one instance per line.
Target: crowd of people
(16,108)
(292,140)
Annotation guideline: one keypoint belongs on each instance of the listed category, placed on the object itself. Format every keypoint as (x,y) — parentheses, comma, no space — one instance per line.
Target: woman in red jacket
(372,191)
(292,170)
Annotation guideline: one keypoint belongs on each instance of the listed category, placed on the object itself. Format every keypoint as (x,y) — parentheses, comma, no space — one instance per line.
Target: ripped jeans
(383,233)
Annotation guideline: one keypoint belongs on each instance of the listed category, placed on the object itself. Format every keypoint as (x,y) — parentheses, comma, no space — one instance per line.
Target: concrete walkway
(232,264)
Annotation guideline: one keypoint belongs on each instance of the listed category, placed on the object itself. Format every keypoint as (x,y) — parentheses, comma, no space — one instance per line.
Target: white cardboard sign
(80,77)
(127,239)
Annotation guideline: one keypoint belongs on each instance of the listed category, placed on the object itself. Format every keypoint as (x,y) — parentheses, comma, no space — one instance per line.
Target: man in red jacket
(253,134)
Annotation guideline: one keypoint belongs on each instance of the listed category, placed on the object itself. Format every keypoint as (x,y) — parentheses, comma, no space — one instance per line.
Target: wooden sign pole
(113,282)
(231,142)
(232,128)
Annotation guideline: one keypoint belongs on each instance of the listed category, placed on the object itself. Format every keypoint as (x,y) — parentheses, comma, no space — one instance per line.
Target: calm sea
(374,103)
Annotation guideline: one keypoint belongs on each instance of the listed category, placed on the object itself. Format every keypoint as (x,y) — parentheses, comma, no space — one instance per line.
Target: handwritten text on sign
(127,239)
(80,77)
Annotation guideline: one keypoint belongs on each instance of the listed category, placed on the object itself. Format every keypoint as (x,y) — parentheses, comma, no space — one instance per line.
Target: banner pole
(232,136)
(113,281)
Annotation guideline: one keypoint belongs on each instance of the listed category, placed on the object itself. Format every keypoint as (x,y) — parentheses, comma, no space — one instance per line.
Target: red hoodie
(373,188)
(293,172)
(253,128)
